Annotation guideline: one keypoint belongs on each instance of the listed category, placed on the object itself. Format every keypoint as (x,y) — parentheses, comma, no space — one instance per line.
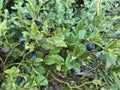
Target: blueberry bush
(59,44)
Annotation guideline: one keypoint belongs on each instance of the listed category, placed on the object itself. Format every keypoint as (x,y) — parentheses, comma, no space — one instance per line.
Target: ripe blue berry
(21,41)
(72,70)
(34,56)
(19,79)
(37,22)
(29,17)
(89,46)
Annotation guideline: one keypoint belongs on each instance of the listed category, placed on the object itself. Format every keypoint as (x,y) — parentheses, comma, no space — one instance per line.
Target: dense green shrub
(63,44)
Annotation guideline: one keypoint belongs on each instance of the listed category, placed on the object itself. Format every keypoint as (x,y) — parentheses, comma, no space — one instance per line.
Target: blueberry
(19,79)
(34,56)
(29,17)
(21,41)
(72,70)
(89,46)
(37,22)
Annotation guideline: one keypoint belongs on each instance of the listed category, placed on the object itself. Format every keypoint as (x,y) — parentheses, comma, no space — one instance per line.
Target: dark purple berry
(19,79)
(29,17)
(21,41)
(72,70)
(37,22)
(34,56)
(89,46)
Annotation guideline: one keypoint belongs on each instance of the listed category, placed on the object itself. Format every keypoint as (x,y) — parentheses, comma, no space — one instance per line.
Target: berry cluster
(29,17)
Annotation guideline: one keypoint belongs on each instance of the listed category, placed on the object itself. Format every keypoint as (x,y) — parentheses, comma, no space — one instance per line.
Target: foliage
(41,41)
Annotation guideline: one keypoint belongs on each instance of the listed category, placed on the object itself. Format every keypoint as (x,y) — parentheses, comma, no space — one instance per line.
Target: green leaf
(38,36)
(53,59)
(41,80)
(118,82)
(81,34)
(44,83)
(110,59)
(19,13)
(2,27)
(76,51)
(77,66)
(40,69)
(58,67)
(34,69)
(58,59)
(32,7)
(13,70)
(69,59)
(60,44)
(28,1)
(116,27)
(57,41)
(34,29)
(80,25)
(1,5)
(25,33)
(49,60)
(38,60)
(31,46)
(50,40)
(28,84)
(54,51)
(45,27)
(114,87)
(112,44)
(96,82)
(35,34)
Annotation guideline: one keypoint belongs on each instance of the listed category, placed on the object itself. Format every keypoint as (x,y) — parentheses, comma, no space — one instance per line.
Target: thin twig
(61,81)
(23,59)
(98,7)
(9,54)
(70,87)
(85,84)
